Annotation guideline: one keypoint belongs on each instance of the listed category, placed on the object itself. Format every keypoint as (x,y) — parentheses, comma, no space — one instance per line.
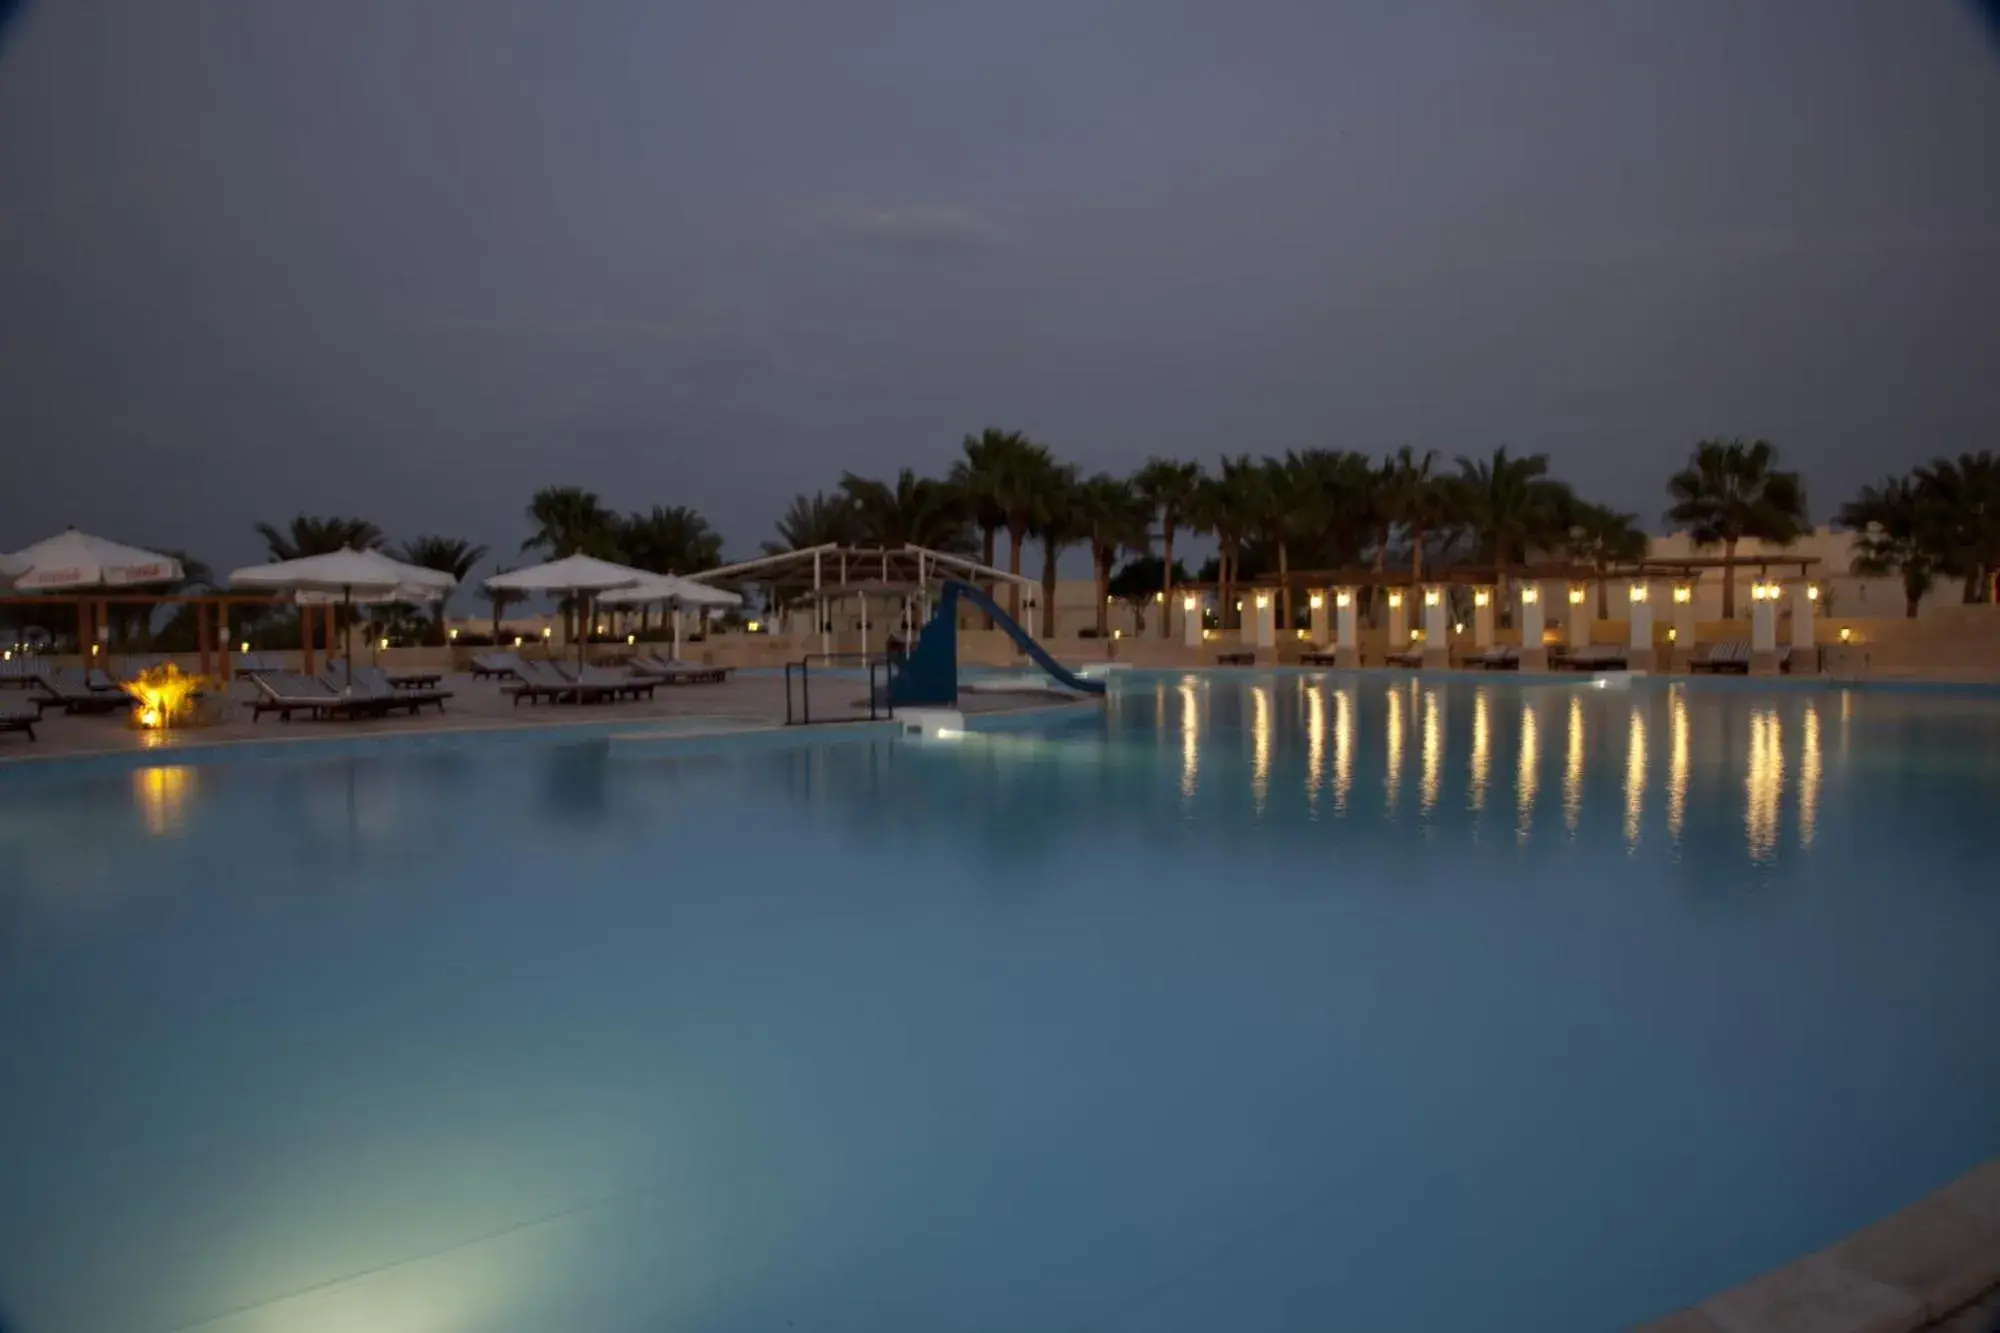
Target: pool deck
(753,702)
(1933,1266)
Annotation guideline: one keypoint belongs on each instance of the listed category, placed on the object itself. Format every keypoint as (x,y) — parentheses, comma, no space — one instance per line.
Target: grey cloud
(911,229)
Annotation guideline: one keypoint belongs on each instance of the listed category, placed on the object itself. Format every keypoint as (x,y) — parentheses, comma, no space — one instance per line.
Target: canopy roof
(572,573)
(345,573)
(672,589)
(832,570)
(73,559)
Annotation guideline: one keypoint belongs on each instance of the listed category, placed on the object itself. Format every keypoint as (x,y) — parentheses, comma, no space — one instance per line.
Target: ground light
(166,696)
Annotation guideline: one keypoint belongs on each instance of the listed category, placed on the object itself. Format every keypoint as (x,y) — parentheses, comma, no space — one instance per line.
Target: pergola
(211,616)
(833,573)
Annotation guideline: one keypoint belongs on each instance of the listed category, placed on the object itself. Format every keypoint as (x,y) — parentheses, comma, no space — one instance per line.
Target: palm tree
(1512,507)
(450,555)
(1601,538)
(307,535)
(1731,490)
(1059,523)
(1899,530)
(1028,479)
(980,478)
(1137,582)
(1167,489)
(1113,519)
(570,520)
(813,520)
(500,599)
(669,539)
(915,511)
(1225,505)
(1413,499)
(1963,500)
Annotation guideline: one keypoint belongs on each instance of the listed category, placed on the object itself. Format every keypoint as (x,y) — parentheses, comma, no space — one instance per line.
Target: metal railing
(880,670)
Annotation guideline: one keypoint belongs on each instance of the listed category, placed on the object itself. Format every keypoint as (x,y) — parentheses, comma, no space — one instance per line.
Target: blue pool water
(1258,1003)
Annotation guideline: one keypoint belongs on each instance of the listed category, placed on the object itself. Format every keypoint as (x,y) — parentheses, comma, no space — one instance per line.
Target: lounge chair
(287,692)
(1596,657)
(678,673)
(1499,657)
(1408,657)
(19,717)
(1243,658)
(1729,655)
(1319,657)
(373,682)
(495,664)
(20,672)
(602,683)
(535,681)
(71,687)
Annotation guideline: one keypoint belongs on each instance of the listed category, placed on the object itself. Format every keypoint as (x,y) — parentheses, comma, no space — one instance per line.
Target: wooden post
(306,640)
(201,636)
(222,641)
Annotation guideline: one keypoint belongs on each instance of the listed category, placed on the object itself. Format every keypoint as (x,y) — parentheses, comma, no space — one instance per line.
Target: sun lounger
(19,717)
(1236,659)
(373,681)
(495,664)
(1318,657)
(678,673)
(535,681)
(1500,657)
(71,688)
(287,692)
(614,684)
(1409,657)
(1729,655)
(1596,657)
(20,672)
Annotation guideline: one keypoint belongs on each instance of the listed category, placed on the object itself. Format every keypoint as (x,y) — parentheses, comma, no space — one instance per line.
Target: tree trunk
(1972,581)
(1103,597)
(1225,606)
(1049,553)
(1416,553)
(1603,594)
(1285,587)
(1014,539)
(1910,605)
(1729,579)
(1167,579)
(988,537)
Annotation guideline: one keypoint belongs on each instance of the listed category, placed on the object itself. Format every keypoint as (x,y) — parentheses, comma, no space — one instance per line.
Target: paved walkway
(742,701)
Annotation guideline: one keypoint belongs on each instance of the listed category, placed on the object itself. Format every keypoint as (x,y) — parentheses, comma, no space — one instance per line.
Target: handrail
(879,703)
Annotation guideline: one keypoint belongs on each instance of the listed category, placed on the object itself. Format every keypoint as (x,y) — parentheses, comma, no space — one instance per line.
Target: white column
(1190,619)
(1399,621)
(1437,627)
(1640,650)
(1482,618)
(1685,622)
(819,608)
(1260,620)
(1346,643)
(1534,657)
(1322,617)
(1578,633)
(1763,618)
(1805,611)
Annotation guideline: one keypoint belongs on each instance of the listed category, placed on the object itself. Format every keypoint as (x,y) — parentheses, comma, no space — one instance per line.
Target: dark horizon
(410,266)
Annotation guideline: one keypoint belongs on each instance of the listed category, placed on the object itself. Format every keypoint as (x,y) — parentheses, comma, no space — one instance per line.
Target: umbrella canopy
(670,588)
(75,559)
(346,573)
(572,573)
(407,592)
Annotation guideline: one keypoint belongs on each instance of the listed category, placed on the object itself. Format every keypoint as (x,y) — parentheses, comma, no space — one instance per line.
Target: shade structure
(73,559)
(346,575)
(673,589)
(581,576)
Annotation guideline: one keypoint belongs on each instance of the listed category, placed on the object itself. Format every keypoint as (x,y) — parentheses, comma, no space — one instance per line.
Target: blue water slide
(929,675)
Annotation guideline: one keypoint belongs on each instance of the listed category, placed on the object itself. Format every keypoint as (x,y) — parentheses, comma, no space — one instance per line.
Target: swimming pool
(1253,1002)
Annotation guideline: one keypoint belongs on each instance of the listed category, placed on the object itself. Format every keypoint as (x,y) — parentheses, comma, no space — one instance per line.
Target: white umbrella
(346,574)
(73,559)
(576,575)
(675,591)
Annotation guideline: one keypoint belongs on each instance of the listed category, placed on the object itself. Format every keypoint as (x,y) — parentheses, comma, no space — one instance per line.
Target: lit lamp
(1812,592)
(1576,597)
(517,641)
(547,631)
(1416,634)
(1118,634)
(452,634)
(1846,634)
(752,626)
(246,645)
(1188,603)
(1239,604)
(1531,595)
(1683,594)
(1638,592)
(1430,597)
(385,643)
(1159,598)
(1262,600)
(631,639)
(1317,601)
(1395,599)
(1343,599)
(1481,598)
(1458,627)
(1672,634)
